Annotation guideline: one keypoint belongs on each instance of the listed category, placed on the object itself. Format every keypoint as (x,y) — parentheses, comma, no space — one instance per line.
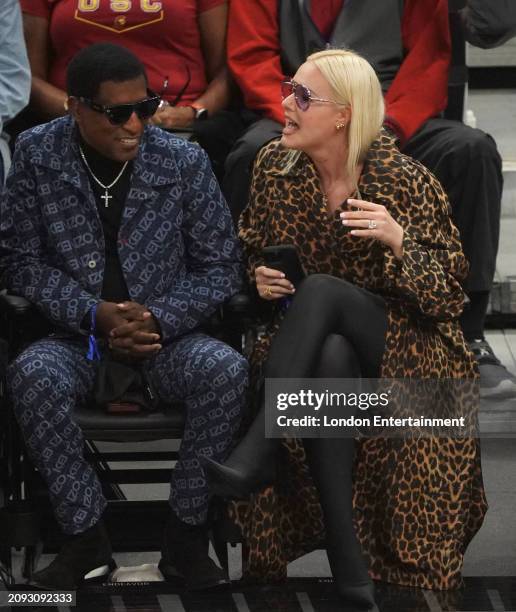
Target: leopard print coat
(417,502)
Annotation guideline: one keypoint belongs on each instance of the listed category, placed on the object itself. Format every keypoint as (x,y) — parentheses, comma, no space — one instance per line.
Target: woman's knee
(324,289)
(315,284)
(338,359)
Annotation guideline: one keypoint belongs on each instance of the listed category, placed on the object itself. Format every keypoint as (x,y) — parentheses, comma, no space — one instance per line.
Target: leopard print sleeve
(433,264)
(252,225)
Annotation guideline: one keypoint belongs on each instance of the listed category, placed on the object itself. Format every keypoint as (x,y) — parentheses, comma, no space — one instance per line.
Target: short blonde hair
(354,83)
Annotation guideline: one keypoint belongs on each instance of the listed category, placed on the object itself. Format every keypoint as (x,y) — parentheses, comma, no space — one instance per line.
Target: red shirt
(324,15)
(164,34)
(418,92)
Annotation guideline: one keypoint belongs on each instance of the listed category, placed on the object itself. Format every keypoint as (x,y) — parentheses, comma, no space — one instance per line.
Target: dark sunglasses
(302,95)
(120,113)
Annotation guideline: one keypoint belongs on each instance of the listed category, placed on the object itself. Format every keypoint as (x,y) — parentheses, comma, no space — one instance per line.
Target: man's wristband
(93,353)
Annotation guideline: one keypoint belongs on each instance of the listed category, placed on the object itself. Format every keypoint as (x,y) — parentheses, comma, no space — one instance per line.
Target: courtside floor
(298,595)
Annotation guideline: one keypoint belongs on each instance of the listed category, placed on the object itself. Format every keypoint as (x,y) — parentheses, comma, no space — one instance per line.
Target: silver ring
(371,224)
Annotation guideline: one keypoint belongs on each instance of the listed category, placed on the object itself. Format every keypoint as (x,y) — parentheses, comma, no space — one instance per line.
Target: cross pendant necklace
(106,197)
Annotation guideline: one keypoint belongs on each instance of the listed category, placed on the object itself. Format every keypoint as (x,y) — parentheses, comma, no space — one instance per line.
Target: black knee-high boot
(252,463)
(331,465)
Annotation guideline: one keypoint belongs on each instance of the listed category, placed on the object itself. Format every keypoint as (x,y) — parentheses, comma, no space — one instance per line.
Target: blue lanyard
(93,347)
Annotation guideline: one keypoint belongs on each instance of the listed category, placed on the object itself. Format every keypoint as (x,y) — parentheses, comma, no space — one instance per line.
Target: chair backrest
(458,79)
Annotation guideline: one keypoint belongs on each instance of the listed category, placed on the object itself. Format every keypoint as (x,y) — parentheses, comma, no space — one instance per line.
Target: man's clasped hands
(130,329)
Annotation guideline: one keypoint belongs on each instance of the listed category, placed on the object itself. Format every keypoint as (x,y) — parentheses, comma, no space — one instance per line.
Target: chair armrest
(21,322)
(14,305)
(238,304)
(229,322)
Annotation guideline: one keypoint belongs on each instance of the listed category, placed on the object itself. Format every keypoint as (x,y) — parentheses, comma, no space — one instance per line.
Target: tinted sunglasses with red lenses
(302,95)
(120,113)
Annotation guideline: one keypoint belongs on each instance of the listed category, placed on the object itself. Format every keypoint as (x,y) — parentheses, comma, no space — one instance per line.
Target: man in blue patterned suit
(116,229)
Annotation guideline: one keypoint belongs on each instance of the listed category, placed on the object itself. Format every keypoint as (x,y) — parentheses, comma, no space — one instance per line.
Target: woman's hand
(377,222)
(170,117)
(272,284)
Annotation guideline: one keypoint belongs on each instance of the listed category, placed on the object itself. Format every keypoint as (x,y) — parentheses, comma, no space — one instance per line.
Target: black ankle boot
(184,557)
(331,466)
(251,465)
(84,557)
(355,588)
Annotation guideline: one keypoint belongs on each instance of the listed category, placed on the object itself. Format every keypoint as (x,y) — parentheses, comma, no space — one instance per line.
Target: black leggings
(325,308)
(333,329)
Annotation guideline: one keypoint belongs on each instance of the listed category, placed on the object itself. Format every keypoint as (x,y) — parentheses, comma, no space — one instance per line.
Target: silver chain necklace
(106,197)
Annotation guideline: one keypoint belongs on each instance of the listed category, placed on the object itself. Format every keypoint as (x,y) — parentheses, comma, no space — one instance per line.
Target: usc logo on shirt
(119,6)
(119,15)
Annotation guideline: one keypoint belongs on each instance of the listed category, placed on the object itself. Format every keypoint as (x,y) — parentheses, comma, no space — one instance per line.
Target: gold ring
(268,291)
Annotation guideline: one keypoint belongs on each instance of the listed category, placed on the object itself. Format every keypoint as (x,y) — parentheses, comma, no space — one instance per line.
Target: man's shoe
(184,557)
(84,557)
(496,382)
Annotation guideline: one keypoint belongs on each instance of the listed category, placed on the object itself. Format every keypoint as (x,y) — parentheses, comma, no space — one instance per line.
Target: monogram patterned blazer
(176,243)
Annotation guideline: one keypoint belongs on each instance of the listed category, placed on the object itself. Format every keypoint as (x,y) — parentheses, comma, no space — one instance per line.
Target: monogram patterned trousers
(51,376)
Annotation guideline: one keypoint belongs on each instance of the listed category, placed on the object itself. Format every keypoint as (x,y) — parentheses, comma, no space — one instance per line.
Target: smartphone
(284,257)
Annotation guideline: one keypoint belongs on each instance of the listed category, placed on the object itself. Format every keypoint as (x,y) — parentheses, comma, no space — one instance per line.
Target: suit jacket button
(92,264)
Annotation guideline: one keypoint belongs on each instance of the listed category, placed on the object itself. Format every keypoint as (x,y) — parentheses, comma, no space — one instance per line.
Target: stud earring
(339,126)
